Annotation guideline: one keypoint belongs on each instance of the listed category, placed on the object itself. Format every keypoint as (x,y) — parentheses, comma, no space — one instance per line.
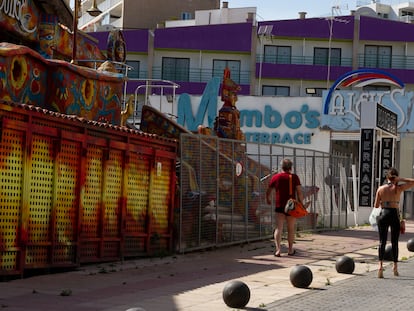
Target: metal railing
(364,61)
(304,60)
(202,75)
(197,75)
(148,85)
(223,190)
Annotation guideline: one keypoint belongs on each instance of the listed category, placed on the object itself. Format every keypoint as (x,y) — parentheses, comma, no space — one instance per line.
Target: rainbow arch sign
(361,78)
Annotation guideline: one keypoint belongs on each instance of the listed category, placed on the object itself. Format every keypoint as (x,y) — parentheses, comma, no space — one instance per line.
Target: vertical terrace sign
(366,170)
(387,156)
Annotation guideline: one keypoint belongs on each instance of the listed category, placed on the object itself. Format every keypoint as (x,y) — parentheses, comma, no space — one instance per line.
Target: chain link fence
(222,190)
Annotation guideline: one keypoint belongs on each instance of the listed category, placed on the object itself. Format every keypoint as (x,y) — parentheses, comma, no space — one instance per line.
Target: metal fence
(223,185)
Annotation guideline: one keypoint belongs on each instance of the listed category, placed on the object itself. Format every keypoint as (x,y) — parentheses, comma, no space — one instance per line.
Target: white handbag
(373,217)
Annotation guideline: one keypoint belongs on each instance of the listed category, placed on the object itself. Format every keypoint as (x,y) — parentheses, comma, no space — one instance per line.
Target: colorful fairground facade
(79,183)
(76,185)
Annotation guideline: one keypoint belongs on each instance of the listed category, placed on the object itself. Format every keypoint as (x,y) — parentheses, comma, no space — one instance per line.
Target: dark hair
(392,173)
(286,165)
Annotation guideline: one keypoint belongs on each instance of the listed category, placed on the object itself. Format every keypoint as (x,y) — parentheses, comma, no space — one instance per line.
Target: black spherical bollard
(301,276)
(388,253)
(345,264)
(410,245)
(236,294)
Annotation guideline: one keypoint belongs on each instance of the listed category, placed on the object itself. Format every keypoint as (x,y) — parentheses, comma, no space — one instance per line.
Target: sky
(289,9)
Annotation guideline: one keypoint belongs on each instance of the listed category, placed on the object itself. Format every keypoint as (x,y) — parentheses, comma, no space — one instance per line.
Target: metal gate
(223,185)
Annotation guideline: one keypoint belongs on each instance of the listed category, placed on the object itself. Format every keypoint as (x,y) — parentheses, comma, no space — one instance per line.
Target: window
(407,13)
(234,66)
(321,56)
(314,91)
(134,72)
(186,15)
(270,90)
(377,56)
(275,54)
(176,69)
(381,88)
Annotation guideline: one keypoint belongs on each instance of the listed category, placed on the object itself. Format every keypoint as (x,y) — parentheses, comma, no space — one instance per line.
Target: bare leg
(280,219)
(291,232)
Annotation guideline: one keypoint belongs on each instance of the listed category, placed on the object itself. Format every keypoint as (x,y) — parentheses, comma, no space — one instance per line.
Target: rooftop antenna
(263,32)
(337,8)
(335,11)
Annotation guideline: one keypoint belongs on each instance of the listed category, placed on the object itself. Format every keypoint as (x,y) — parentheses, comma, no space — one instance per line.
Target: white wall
(306,136)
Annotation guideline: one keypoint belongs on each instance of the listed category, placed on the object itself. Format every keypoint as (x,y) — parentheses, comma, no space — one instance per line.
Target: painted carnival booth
(76,187)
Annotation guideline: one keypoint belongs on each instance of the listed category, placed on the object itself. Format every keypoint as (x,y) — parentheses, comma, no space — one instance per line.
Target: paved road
(361,292)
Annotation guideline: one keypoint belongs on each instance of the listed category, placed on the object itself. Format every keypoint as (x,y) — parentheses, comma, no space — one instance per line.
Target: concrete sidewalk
(195,281)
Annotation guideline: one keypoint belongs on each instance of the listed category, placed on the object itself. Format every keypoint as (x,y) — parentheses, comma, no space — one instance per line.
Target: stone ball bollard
(388,253)
(236,294)
(301,276)
(410,245)
(345,264)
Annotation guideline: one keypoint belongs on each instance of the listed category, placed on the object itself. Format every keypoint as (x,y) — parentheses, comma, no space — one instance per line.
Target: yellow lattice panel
(138,194)
(91,204)
(66,204)
(40,199)
(161,195)
(113,193)
(91,197)
(137,205)
(11,175)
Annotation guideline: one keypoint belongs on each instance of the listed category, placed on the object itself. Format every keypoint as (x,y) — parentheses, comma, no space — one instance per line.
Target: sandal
(292,253)
(396,272)
(381,273)
(277,254)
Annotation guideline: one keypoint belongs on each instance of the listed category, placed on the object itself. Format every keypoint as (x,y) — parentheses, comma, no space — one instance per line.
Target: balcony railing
(198,75)
(370,61)
(105,6)
(304,60)
(387,62)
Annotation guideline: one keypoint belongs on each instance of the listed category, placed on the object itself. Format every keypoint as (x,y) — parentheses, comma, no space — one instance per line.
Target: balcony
(370,61)
(312,68)
(304,60)
(193,80)
(200,75)
(111,13)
